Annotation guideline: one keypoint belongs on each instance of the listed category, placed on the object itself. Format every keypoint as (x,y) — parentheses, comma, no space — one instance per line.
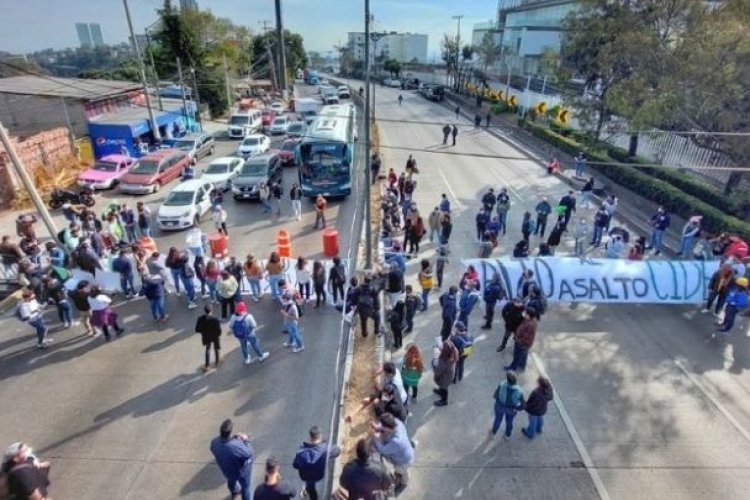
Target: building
(403,47)
(31,104)
(188,5)
(481,29)
(96,34)
(84,35)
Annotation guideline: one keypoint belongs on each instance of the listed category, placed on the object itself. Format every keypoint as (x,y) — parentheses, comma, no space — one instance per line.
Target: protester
(536,407)
(690,233)
(31,312)
(568,202)
(444,369)
(390,439)
(363,478)
(718,288)
(493,293)
(254,273)
(412,368)
(394,288)
(227,290)
(102,315)
(337,279)
(454,133)
(736,301)
(512,314)
(312,459)
(274,273)
(304,277)
(502,208)
(542,209)
(555,235)
(445,204)
(276,194)
(660,222)
(508,401)
(610,205)
(234,455)
(468,299)
(465,345)
(152,287)
(209,327)
(319,283)
(440,262)
(586,191)
(25,476)
(615,247)
(524,339)
(449,311)
(579,162)
(290,313)
(243,325)
(638,249)
(273,488)
(527,226)
(264,194)
(446,228)
(80,299)
(320,211)
(213,275)
(553,167)
(219,217)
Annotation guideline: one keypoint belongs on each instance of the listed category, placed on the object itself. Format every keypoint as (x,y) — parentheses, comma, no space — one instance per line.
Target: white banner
(565,279)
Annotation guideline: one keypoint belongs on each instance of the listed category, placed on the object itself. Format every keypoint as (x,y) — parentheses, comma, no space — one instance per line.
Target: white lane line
(458,203)
(714,401)
(585,457)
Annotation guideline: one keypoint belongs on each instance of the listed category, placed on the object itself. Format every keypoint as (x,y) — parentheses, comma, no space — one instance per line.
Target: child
(412,303)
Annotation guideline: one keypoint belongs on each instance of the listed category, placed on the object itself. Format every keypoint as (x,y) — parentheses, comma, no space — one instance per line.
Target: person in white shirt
(219,216)
(30,311)
(242,324)
(304,277)
(102,315)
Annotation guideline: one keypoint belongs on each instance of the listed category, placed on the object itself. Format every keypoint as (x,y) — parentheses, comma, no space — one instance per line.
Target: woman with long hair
(213,273)
(444,368)
(102,315)
(275,272)
(412,368)
(254,274)
(174,264)
(303,277)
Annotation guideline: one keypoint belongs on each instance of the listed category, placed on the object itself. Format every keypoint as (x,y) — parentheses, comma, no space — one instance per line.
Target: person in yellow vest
(426,280)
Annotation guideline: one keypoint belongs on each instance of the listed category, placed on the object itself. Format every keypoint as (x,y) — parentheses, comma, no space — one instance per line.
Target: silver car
(196,146)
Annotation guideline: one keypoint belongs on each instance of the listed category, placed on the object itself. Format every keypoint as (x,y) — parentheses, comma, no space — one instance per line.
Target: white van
(244,123)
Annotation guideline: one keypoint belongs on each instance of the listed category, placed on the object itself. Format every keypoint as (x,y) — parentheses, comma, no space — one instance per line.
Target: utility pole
(197,99)
(375,37)
(23,175)
(266,28)
(368,144)
(281,49)
(142,68)
(507,81)
(182,89)
(229,89)
(458,46)
(153,69)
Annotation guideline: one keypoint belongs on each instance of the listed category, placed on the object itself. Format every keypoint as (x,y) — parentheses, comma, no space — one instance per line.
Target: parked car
(221,171)
(154,171)
(279,107)
(296,129)
(106,172)
(185,205)
(196,146)
(279,125)
(267,118)
(410,84)
(392,82)
(424,88)
(264,168)
(436,93)
(287,151)
(253,145)
(344,92)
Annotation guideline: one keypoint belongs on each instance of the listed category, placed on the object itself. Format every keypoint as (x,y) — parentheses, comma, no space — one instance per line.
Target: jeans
(211,289)
(364,315)
(273,281)
(304,290)
(40,327)
(130,233)
(536,423)
(541,225)
(251,342)
(266,206)
(500,412)
(463,317)
(458,374)
(126,284)
(297,208)
(434,233)
(409,323)
(240,486)
(425,297)
(65,312)
(277,204)
(520,356)
(294,336)
(657,240)
(158,308)
(176,277)
(596,239)
(502,218)
(730,312)
(145,231)
(686,246)
(320,295)
(254,287)
(189,288)
(579,169)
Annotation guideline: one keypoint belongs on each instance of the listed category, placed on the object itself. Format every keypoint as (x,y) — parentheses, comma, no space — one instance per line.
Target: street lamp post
(368,144)
(153,67)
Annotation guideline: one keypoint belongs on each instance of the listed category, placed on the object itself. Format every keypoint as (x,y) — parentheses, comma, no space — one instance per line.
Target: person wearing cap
(737,300)
(312,459)
(30,311)
(465,345)
(290,312)
(219,216)
(209,327)
(690,233)
(524,340)
(242,324)
(234,455)
(27,477)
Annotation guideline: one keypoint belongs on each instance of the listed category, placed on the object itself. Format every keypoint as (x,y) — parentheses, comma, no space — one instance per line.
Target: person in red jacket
(524,340)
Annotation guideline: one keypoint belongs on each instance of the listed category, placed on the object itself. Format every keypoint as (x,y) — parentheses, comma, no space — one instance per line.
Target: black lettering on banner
(705,279)
(506,278)
(550,289)
(519,287)
(594,286)
(580,283)
(653,282)
(690,295)
(675,285)
(640,287)
(565,289)
(624,282)
(610,296)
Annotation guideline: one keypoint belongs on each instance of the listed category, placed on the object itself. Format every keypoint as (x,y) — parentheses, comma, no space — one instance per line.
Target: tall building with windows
(84,35)
(188,4)
(96,34)
(403,47)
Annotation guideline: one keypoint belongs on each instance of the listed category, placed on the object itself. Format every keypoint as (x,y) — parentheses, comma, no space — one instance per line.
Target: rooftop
(126,116)
(72,88)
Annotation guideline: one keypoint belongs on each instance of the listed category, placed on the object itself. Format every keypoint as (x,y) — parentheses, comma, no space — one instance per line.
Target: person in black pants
(513,315)
(367,306)
(209,327)
(337,279)
(397,320)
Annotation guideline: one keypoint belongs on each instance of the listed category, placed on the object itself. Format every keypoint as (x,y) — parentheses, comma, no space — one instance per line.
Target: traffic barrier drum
(219,245)
(284,243)
(330,242)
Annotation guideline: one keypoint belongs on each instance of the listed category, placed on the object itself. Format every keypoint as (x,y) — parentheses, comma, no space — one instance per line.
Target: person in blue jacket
(311,460)
(466,303)
(121,265)
(153,290)
(736,301)
(493,293)
(234,455)
(508,401)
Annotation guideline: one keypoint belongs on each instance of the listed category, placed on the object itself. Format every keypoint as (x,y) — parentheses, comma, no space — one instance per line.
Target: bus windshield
(324,161)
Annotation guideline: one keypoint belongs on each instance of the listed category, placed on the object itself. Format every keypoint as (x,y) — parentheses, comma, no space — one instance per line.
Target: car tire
(197,220)
(211,150)
(157,187)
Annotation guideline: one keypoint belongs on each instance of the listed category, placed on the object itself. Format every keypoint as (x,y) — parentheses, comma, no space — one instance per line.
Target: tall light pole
(142,68)
(153,66)
(282,50)
(458,44)
(368,145)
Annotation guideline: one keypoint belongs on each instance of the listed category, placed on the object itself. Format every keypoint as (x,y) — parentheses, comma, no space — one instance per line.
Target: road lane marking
(565,417)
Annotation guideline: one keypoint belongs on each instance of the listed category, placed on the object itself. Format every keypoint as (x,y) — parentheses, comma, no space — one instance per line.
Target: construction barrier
(219,245)
(284,243)
(330,242)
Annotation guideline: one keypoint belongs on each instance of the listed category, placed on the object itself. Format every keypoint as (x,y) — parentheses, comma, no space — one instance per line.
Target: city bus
(325,154)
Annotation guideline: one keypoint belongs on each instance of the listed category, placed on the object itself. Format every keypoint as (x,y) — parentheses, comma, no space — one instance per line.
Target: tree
(393,67)
(456,58)
(316,60)
(488,50)
(296,57)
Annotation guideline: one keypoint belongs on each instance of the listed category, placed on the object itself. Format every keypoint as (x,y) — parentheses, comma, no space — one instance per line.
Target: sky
(29,25)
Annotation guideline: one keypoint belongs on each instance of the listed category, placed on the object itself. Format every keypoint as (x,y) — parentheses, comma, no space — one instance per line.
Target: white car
(185,205)
(325,88)
(278,106)
(221,171)
(279,125)
(253,145)
(396,84)
(344,92)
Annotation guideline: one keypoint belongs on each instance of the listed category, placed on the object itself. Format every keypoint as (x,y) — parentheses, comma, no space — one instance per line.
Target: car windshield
(146,167)
(179,199)
(295,127)
(253,169)
(250,141)
(105,166)
(279,121)
(288,146)
(185,145)
(238,120)
(217,168)
(325,161)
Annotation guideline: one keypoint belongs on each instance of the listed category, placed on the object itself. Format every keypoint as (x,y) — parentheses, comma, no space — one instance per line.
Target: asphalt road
(133,418)
(645,404)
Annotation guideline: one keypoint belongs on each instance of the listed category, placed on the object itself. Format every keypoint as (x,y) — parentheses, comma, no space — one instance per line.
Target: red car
(286,151)
(154,171)
(267,116)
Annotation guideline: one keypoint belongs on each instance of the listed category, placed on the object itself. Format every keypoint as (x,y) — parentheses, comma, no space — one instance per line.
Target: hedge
(659,191)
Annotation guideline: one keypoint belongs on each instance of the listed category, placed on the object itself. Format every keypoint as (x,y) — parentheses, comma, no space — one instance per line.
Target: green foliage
(296,57)
(488,50)
(659,190)
(500,107)
(393,67)
(211,89)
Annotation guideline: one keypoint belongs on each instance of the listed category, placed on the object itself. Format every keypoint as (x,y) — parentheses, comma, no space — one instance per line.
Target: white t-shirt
(399,383)
(100,302)
(303,275)
(29,309)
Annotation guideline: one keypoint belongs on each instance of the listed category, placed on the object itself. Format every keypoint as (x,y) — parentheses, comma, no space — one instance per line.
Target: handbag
(468,350)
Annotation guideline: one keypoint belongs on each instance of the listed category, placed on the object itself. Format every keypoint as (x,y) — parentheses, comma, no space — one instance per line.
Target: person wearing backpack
(508,401)
(290,312)
(121,265)
(493,293)
(155,293)
(396,320)
(337,279)
(31,312)
(242,325)
(449,307)
(465,345)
